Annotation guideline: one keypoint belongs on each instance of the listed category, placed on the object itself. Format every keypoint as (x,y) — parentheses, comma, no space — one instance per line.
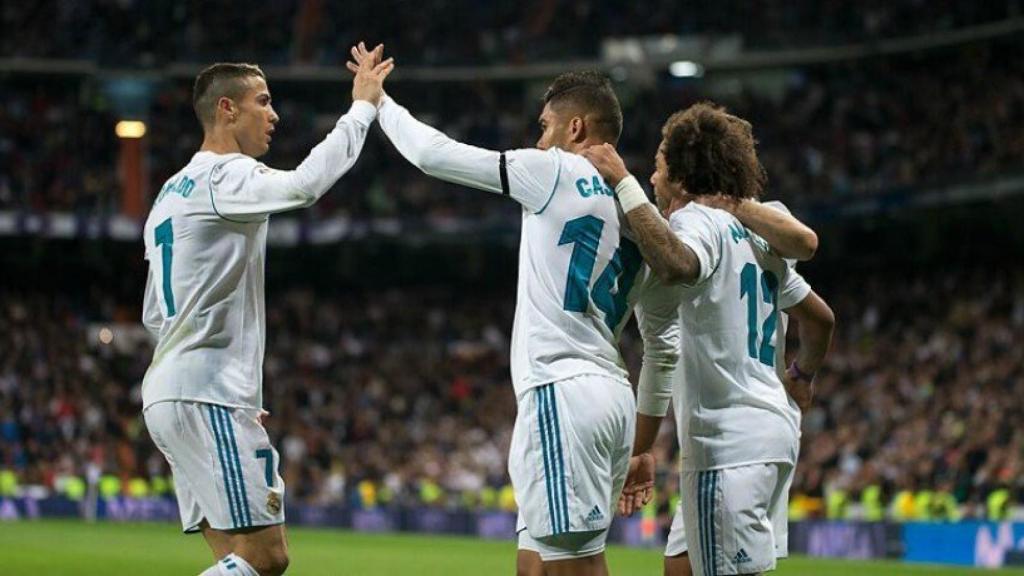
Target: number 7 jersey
(206,239)
(730,405)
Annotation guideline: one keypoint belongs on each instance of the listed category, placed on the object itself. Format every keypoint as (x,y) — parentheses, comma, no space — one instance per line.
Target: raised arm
(243,189)
(663,251)
(529,176)
(788,237)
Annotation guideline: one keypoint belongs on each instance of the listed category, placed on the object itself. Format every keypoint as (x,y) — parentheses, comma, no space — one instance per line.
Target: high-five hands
(370,72)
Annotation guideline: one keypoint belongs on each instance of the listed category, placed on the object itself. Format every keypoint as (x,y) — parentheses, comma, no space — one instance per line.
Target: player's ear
(577,129)
(227,107)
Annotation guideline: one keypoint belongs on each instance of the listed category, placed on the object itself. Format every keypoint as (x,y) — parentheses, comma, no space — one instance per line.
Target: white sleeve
(793,289)
(243,189)
(698,231)
(529,175)
(152,315)
(657,314)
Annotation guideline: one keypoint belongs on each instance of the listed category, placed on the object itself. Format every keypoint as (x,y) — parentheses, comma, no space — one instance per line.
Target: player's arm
(788,236)
(244,190)
(152,315)
(658,318)
(664,252)
(815,323)
(529,176)
(657,314)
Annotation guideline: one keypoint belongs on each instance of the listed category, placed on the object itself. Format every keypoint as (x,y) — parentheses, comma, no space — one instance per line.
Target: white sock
(231,565)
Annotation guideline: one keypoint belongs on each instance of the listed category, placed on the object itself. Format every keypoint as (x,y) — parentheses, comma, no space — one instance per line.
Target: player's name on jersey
(740,232)
(593,187)
(182,186)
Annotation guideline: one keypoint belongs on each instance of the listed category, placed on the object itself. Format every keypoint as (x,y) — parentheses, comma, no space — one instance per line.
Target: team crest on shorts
(273,502)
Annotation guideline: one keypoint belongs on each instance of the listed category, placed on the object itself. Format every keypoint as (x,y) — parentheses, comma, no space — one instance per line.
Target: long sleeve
(527,175)
(246,190)
(657,313)
(152,316)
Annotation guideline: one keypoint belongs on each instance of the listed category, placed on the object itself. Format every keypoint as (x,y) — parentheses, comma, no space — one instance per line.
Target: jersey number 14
(584,233)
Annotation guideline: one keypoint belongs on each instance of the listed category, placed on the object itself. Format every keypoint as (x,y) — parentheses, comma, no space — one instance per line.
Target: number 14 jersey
(575,275)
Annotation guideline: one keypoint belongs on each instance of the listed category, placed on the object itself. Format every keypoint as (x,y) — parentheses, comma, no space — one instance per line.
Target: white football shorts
(739,517)
(568,461)
(224,468)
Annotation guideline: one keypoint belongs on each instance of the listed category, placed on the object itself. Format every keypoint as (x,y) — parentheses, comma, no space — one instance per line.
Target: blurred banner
(985,544)
(845,539)
(969,543)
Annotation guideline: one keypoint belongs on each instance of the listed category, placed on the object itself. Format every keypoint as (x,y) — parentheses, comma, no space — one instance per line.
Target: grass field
(57,548)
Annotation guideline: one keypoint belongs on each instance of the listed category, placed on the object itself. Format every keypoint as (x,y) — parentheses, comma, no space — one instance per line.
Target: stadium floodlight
(686,69)
(130,129)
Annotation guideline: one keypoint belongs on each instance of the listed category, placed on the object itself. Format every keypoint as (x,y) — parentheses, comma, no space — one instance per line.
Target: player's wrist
(795,373)
(363,110)
(631,195)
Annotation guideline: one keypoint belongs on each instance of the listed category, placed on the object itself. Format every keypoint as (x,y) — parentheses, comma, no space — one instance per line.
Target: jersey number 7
(164,237)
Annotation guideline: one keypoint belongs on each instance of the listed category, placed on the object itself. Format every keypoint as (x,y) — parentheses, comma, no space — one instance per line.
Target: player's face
(554,130)
(256,119)
(663,189)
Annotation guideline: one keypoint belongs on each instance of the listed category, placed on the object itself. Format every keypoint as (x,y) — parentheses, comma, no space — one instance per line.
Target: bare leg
(590,566)
(528,563)
(678,565)
(265,548)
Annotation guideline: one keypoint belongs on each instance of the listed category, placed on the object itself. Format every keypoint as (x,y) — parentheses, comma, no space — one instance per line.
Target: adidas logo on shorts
(742,557)
(594,515)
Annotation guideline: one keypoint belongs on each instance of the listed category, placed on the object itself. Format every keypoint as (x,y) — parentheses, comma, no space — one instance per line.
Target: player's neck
(219,142)
(577,147)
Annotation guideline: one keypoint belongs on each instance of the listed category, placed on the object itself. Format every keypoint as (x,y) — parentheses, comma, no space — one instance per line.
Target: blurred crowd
(827,133)
(154,32)
(373,401)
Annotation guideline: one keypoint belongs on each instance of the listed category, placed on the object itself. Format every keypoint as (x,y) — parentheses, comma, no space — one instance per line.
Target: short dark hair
(219,80)
(591,93)
(710,151)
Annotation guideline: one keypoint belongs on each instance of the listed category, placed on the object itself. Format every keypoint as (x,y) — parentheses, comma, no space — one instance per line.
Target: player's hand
(639,487)
(801,391)
(370,72)
(262,417)
(607,161)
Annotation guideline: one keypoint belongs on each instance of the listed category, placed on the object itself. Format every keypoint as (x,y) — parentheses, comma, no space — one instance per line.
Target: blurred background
(895,128)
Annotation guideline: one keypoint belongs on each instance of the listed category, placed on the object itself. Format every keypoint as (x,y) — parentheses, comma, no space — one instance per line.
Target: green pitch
(57,548)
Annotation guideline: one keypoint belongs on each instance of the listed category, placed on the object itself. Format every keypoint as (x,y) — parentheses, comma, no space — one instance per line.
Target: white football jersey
(575,271)
(206,238)
(731,407)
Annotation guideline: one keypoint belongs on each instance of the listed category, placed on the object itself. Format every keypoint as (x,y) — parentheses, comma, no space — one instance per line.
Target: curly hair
(710,151)
(589,92)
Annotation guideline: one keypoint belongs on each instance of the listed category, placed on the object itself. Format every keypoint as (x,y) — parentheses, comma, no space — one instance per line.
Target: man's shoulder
(695,214)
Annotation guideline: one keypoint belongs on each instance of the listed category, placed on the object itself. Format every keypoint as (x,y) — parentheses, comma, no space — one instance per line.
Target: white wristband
(630,193)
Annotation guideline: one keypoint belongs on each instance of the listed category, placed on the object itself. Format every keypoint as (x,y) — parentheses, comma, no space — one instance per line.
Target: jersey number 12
(765,353)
